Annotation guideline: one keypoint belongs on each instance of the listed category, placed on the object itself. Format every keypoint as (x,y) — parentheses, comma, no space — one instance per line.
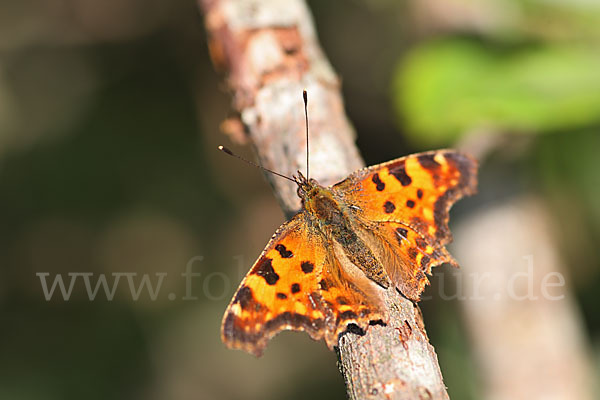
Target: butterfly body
(326,210)
(328,267)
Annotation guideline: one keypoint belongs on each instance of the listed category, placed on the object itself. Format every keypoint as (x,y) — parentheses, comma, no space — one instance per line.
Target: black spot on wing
(379,185)
(325,285)
(307,267)
(346,315)
(265,269)
(410,203)
(427,161)
(283,251)
(420,194)
(281,296)
(295,287)
(357,330)
(400,174)
(245,299)
(389,207)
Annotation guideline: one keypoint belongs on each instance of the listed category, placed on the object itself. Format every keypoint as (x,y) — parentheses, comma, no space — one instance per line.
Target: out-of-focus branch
(269,52)
(525,329)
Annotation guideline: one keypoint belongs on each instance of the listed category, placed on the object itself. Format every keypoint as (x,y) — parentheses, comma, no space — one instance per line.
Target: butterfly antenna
(305,97)
(231,153)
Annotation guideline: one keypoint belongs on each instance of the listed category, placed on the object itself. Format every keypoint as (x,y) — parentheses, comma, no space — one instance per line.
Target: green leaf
(444,89)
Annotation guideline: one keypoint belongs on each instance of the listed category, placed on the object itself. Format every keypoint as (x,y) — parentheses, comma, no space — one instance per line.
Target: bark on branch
(269,53)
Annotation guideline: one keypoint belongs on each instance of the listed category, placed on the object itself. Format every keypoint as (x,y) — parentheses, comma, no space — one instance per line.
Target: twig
(270,53)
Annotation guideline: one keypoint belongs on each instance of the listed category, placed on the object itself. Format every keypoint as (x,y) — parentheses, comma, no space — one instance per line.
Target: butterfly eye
(300,192)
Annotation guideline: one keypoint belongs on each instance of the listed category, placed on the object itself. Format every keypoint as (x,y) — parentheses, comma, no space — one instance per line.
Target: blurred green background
(109,114)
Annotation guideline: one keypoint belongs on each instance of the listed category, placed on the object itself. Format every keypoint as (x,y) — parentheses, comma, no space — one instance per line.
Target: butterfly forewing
(274,295)
(401,209)
(297,283)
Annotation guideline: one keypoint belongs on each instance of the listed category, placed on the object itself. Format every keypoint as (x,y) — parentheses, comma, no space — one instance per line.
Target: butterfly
(382,227)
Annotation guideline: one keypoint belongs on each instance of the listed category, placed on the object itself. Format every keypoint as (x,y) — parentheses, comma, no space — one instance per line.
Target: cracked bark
(269,53)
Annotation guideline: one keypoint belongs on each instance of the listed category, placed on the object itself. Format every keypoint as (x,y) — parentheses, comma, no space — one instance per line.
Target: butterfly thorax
(331,217)
(319,202)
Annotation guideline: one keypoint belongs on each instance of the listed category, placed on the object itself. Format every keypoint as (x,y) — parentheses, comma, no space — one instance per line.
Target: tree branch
(269,52)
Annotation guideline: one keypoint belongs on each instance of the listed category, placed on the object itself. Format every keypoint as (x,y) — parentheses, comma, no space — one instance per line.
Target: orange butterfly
(326,268)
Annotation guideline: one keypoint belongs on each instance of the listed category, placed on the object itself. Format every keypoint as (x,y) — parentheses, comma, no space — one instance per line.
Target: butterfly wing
(297,283)
(400,208)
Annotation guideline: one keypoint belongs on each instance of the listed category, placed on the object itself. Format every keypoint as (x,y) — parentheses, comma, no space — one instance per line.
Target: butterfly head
(316,199)
(306,187)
